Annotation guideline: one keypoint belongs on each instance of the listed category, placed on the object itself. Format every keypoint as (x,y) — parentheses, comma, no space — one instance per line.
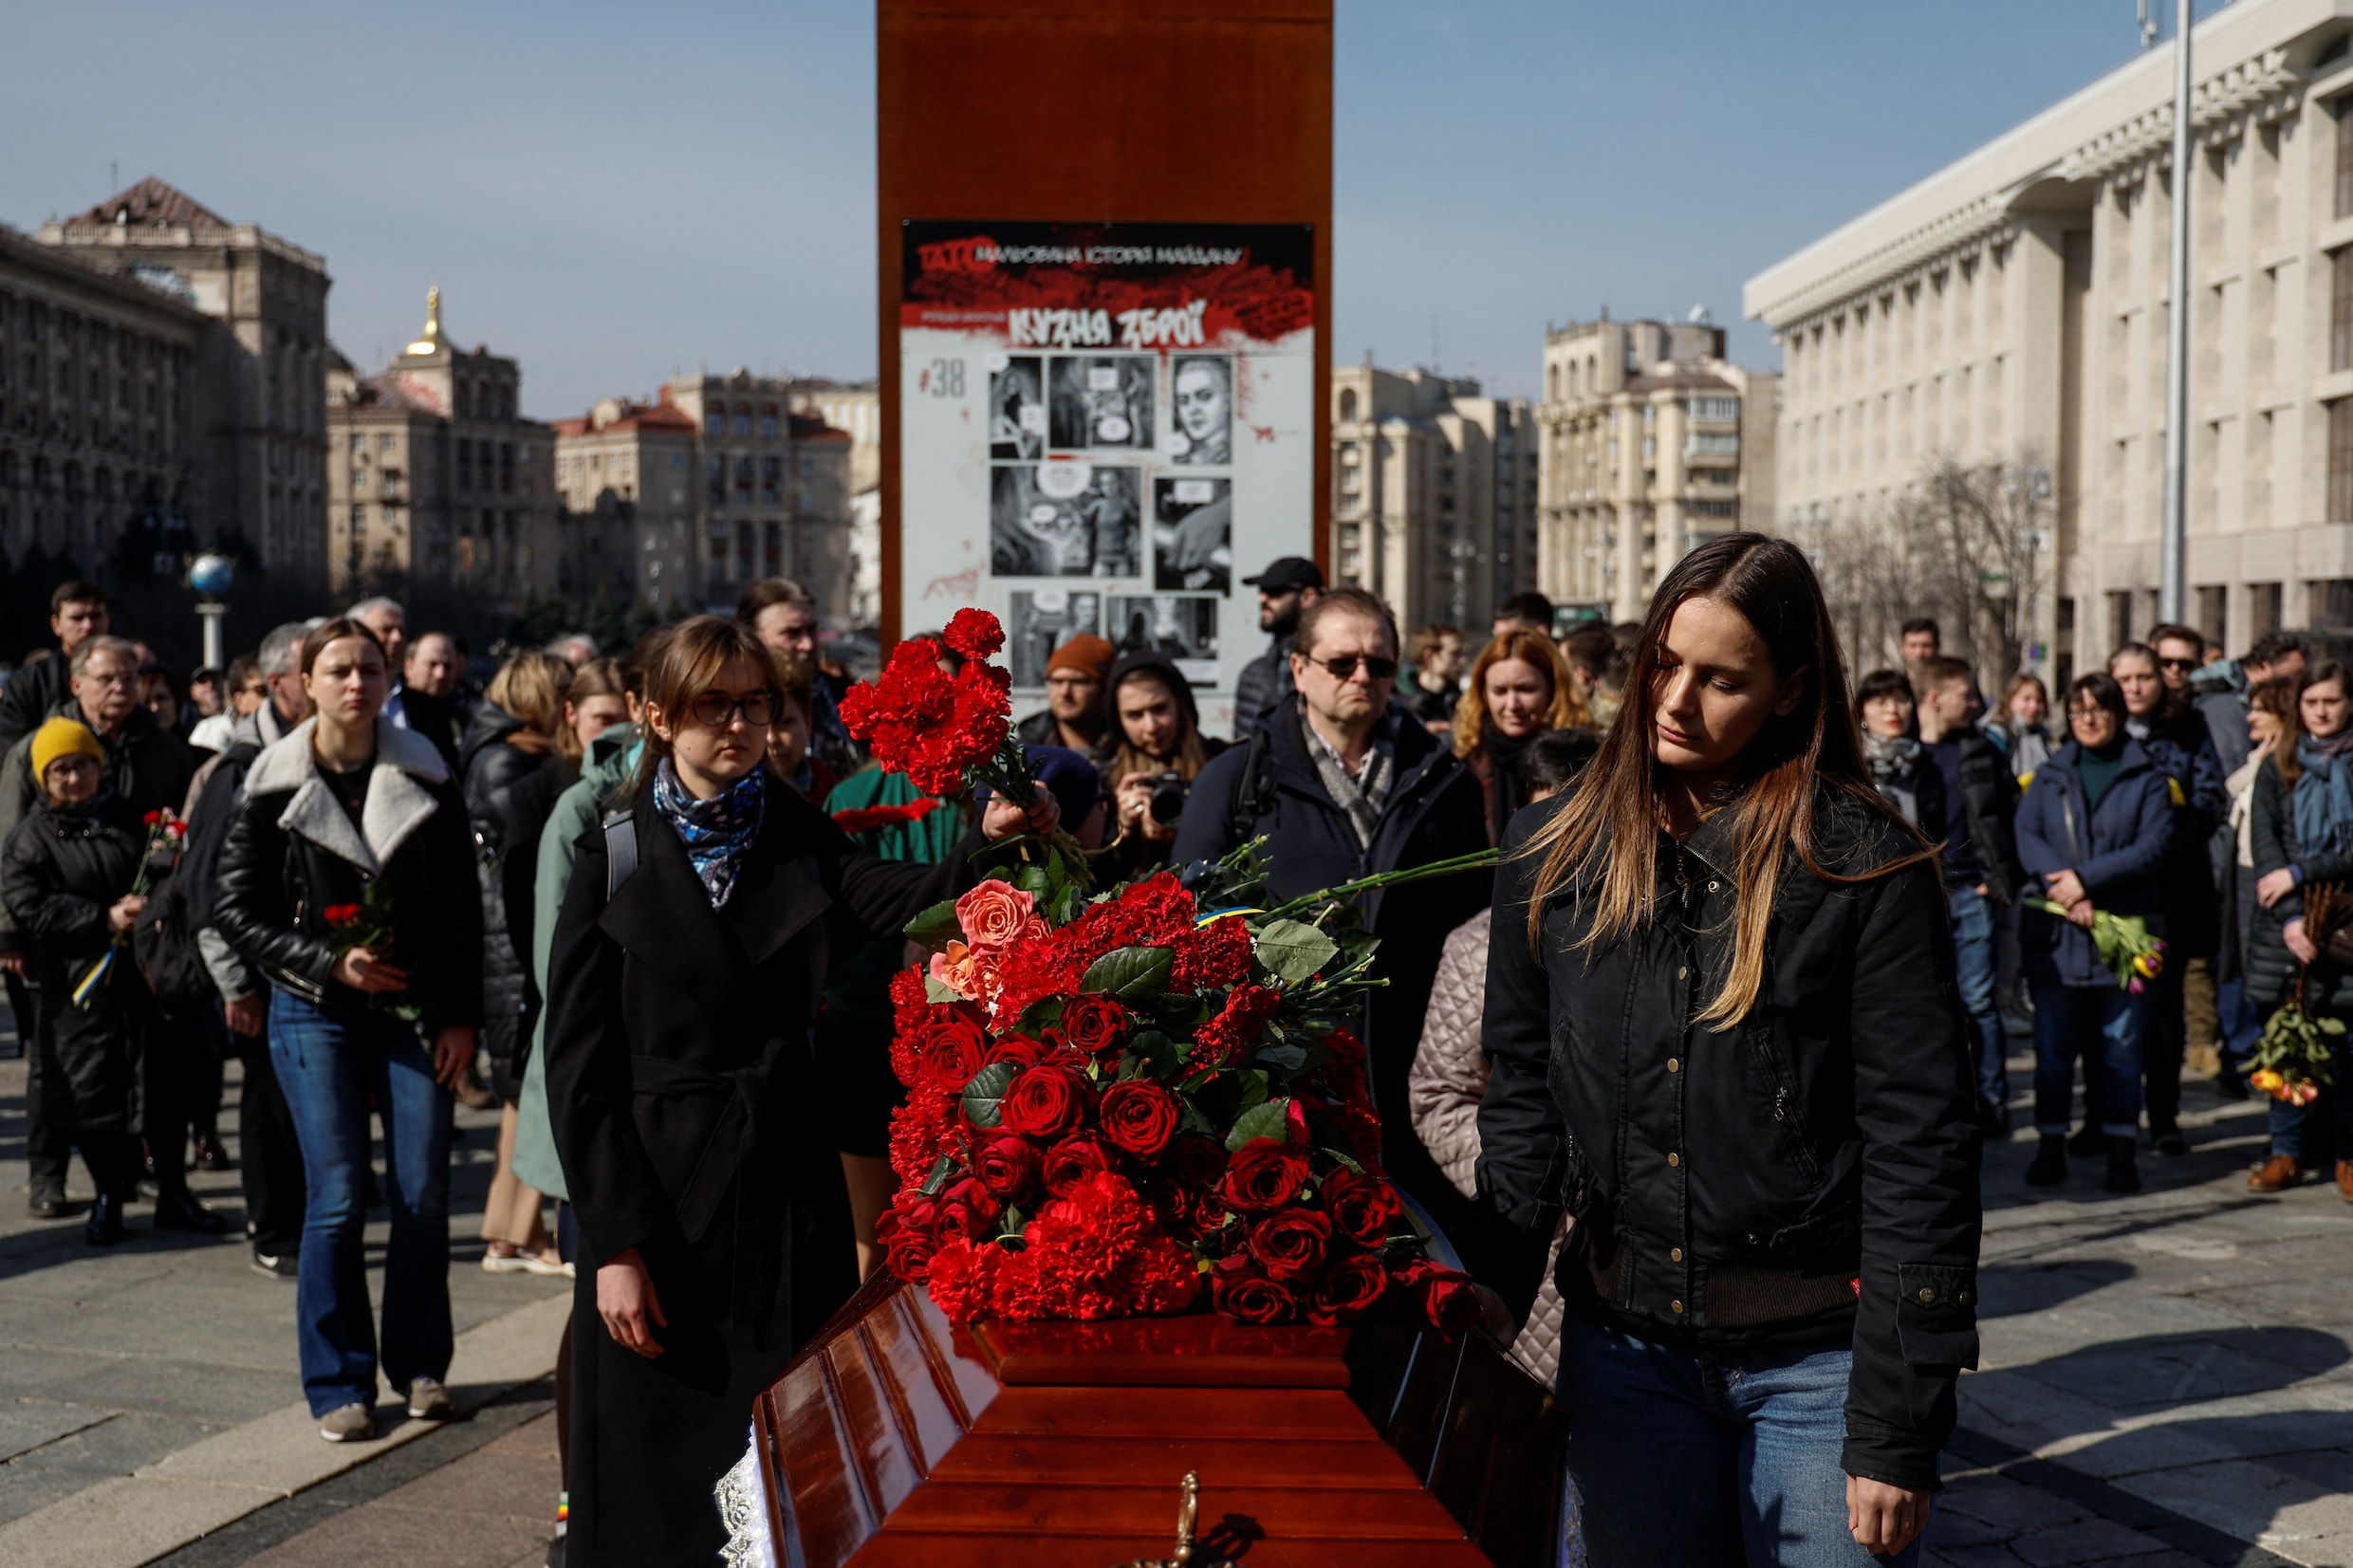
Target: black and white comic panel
(1201,395)
(1099,401)
(1183,627)
(1193,534)
(1041,622)
(1065,519)
(1016,407)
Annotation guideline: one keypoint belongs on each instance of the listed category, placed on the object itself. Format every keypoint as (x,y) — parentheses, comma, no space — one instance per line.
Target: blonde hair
(1568,710)
(532,687)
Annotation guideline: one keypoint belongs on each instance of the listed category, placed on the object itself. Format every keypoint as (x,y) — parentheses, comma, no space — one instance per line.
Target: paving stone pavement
(110,1360)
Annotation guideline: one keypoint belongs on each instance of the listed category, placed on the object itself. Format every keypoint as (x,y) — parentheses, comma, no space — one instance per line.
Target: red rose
(1140,1117)
(952,1048)
(1018,1050)
(1292,1243)
(1199,1161)
(1008,1167)
(1045,1102)
(966,1208)
(1265,1174)
(906,1231)
(1444,1295)
(1363,1207)
(1093,1023)
(1073,1161)
(976,633)
(340,915)
(1254,1299)
(1172,1204)
(1352,1287)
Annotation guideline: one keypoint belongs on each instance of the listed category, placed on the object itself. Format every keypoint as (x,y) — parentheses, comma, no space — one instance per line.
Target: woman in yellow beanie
(67,873)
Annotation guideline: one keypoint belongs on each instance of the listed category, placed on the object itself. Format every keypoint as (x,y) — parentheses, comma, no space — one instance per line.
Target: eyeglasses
(1344,666)
(716,710)
(2091,712)
(2176,664)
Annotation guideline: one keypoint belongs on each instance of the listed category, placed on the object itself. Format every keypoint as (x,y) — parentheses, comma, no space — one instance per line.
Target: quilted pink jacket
(1443,1090)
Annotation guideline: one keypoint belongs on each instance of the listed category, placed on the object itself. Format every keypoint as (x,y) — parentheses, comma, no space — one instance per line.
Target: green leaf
(1130,974)
(1290,1059)
(984,1096)
(1270,1121)
(1294,950)
(939,1178)
(934,991)
(935,927)
(1255,1087)
(1346,1160)
(1156,1050)
(1193,1120)
(1185,1010)
(1034,880)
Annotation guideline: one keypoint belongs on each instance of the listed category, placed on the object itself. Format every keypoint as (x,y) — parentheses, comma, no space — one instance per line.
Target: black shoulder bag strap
(1250,803)
(621,850)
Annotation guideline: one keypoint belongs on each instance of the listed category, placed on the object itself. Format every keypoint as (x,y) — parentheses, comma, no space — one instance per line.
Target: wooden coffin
(897,1438)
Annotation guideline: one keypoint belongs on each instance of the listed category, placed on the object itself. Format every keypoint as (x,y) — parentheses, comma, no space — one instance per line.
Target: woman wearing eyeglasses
(683,982)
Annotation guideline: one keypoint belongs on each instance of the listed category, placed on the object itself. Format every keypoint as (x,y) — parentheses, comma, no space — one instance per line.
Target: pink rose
(996,914)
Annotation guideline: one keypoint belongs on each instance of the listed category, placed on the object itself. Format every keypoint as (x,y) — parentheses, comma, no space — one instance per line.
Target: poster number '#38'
(944,378)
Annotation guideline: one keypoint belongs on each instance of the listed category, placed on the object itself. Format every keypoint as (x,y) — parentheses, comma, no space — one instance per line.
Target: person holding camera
(1155,751)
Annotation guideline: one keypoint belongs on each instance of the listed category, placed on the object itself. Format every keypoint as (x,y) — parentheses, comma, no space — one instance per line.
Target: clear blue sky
(609,191)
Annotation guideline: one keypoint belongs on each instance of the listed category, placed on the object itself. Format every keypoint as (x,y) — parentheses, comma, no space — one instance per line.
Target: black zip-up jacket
(1989,802)
(1807,1176)
(292,853)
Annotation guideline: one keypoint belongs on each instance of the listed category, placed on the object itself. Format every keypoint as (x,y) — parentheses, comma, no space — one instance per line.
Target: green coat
(604,772)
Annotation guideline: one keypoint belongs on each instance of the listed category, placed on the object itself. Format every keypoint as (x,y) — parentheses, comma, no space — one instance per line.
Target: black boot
(47,1200)
(2090,1141)
(2123,1176)
(105,1226)
(178,1209)
(2050,1166)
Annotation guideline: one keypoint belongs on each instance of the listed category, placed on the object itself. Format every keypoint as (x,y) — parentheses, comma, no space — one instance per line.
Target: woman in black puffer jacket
(351,817)
(1725,1035)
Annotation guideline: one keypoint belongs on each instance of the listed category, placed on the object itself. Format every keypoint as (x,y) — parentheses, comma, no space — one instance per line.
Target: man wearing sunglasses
(1343,782)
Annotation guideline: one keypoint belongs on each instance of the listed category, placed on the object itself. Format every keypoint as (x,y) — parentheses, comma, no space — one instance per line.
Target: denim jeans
(1973,954)
(1708,1457)
(331,1062)
(2242,1024)
(2323,1131)
(2104,1024)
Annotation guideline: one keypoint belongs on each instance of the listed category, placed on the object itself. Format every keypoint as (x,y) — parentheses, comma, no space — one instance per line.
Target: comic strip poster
(1132,404)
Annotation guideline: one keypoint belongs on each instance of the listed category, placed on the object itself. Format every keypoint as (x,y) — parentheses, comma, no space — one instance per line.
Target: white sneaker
(352,1423)
(429,1400)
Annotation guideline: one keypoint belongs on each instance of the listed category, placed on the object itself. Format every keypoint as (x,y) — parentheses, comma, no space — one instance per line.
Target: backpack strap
(621,850)
(1253,790)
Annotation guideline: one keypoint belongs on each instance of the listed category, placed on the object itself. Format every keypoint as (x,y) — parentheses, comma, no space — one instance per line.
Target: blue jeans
(2323,1131)
(2242,1024)
(1973,955)
(2117,1019)
(331,1062)
(1707,1457)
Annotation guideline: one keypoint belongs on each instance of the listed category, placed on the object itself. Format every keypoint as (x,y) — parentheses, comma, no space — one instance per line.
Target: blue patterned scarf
(718,832)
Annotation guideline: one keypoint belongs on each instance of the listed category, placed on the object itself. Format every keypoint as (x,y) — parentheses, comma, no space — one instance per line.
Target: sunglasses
(2176,664)
(714,709)
(1344,666)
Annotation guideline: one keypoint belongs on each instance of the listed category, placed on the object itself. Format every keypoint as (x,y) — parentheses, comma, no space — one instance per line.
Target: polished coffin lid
(897,1438)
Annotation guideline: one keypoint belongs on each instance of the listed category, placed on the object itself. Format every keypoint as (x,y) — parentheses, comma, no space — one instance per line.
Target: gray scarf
(1360,797)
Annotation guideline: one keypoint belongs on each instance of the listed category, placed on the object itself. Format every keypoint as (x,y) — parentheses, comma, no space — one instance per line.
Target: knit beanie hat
(63,737)
(1085,653)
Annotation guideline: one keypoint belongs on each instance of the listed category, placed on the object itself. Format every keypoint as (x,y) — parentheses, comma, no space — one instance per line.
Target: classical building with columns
(1434,499)
(1652,441)
(2013,307)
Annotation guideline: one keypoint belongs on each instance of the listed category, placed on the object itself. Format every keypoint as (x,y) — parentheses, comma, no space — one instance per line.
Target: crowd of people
(647,906)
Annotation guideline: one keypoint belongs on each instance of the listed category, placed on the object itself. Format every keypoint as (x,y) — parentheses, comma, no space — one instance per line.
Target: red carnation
(1092,1024)
(1292,1243)
(974,634)
(1072,1161)
(919,721)
(1254,1299)
(1006,1165)
(1349,1289)
(1363,1207)
(866,819)
(1139,1116)
(1213,956)
(1045,1102)
(1265,1174)
(1230,1035)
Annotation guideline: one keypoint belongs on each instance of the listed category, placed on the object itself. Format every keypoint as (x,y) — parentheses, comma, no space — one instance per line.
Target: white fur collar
(397,803)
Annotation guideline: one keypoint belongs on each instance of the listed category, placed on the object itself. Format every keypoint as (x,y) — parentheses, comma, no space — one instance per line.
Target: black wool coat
(60,872)
(1806,1175)
(683,1094)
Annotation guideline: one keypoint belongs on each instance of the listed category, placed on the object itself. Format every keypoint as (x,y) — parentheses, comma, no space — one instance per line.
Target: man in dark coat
(1345,784)
(77,612)
(148,767)
(1286,589)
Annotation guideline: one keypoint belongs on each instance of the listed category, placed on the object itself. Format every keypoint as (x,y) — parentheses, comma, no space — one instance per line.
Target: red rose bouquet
(1142,1101)
(166,831)
(368,923)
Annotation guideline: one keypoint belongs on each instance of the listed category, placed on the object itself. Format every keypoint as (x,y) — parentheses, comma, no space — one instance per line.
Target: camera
(1168,796)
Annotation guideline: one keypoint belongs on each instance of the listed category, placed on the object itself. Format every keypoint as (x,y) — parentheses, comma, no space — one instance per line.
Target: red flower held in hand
(974,634)
(865,819)
(1140,1117)
(1265,1175)
(341,916)
(919,720)
(1363,1207)
(1292,1243)
(1045,1102)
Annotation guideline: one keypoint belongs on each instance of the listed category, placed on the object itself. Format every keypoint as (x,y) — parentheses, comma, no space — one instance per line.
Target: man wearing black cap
(1287,586)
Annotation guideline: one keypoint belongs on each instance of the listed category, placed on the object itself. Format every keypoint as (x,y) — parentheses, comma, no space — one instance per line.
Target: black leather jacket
(292,853)
(1807,1175)
(494,771)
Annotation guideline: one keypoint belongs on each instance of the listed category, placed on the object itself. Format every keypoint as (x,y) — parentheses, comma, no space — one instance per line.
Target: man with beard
(1284,588)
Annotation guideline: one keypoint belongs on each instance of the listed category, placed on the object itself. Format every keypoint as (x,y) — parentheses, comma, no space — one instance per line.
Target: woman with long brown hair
(1724,1035)
(683,982)
(1519,687)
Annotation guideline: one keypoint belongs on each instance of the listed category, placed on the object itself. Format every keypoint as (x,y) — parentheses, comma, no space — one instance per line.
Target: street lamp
(210,575)
(2175,542)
